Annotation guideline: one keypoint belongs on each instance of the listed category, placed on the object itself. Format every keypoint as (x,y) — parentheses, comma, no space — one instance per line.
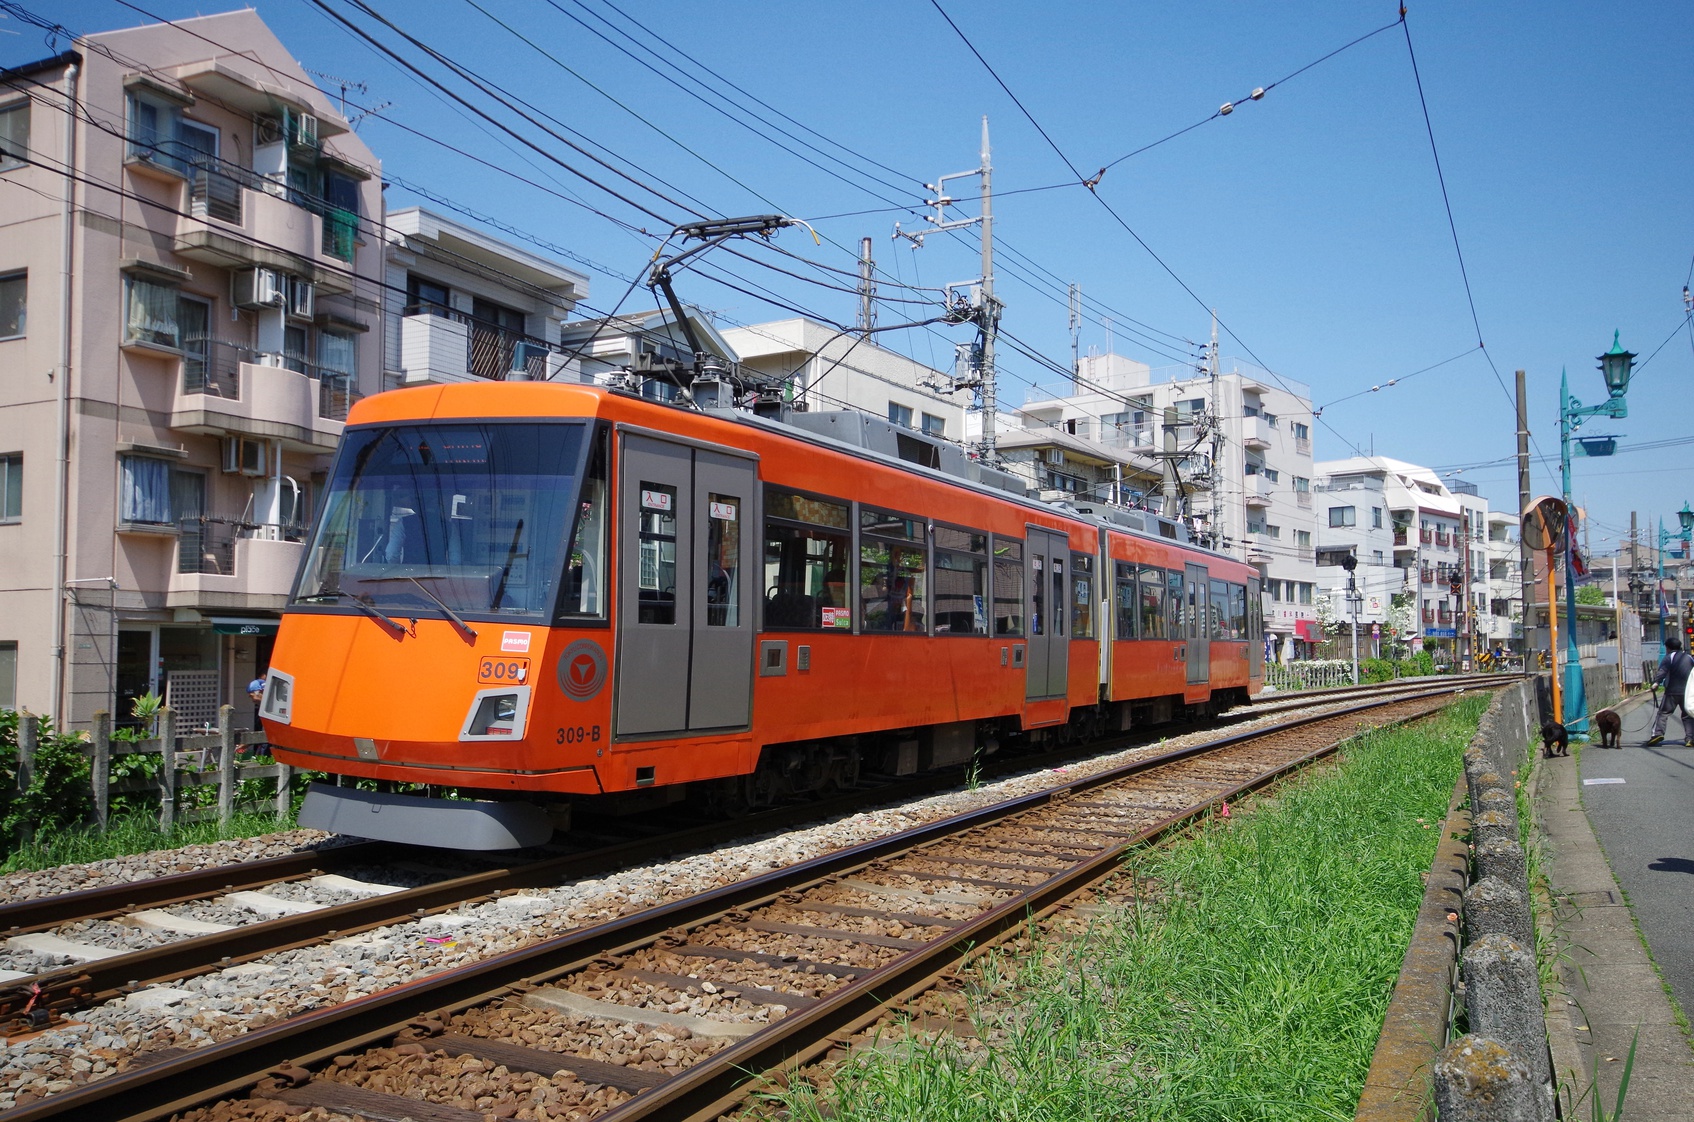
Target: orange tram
(536,594)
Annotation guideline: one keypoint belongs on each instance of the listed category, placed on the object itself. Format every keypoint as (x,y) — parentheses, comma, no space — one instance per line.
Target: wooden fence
(187,762)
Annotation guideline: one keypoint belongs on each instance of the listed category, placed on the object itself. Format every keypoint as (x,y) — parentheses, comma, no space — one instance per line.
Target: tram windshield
(433,519)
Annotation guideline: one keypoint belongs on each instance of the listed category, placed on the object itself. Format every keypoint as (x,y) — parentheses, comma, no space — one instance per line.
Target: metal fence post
(101,767)
(28,731)
(226,764)
(167,769)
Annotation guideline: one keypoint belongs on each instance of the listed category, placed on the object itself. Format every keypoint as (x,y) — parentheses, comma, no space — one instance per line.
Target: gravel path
(234,1000)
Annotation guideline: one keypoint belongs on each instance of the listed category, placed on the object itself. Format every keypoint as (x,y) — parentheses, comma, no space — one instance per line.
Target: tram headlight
(496,714)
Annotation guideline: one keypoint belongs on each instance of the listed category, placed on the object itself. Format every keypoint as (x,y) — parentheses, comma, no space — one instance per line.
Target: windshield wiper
(458,621)
(388,622)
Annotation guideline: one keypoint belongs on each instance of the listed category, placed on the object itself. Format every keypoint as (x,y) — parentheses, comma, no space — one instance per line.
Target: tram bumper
(417,820)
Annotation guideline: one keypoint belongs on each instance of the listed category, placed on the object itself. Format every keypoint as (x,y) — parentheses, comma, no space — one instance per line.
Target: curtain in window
(151,314)
(145,491)
(335,355)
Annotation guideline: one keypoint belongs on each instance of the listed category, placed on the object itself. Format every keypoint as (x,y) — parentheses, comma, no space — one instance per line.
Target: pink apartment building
(191,295)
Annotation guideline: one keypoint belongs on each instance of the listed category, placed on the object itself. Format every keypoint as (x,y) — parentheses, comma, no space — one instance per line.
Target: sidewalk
(1642,812)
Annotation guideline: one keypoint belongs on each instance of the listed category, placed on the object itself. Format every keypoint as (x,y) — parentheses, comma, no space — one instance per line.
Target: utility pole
(1217,438)
(989,313)
(1171,506)
(1075,307)
(1526,559)
(867,289)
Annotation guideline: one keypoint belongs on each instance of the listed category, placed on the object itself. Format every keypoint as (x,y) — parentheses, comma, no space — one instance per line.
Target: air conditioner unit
(302,129)
(300,298)
(1056,456)
(258,288)
(243,456)
(269,130)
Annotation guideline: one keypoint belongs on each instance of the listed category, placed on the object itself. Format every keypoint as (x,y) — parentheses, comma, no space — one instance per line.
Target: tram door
(685,588)
(1048,664)
(1255,631)
(1199,623)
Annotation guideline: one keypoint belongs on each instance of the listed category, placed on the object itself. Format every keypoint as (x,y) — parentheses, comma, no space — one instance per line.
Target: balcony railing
(206,542)
(341,232)
(1426,536)
(1428,618)
(1442,539)
(493,352)
(1303,499)
(1428,576)
(213,193)
(213,367)
(1400,537)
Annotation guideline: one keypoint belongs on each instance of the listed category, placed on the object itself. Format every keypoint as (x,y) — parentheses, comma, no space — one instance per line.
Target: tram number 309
(499,671)
(579,735)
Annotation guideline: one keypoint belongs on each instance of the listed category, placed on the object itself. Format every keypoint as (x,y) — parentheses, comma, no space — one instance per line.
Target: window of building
(1341,516)
(159,135)
(1270,473)
(808,545)
(1305,591)
(14,306)
(1062,481)
(900,414)
(425,296)
(893,572)
(1376,556)
(1273,531)
(933,425)
(1008,586)
(1255,527)
(961,581)
(1302,485)
(1303,539)
(1082,596)
(14,134)
(151,313)
(144,490)
(1269,419)
(12,487)
(1301,431)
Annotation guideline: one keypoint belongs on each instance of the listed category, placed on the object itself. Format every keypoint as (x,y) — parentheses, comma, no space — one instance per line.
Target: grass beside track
(1249,983)
(133,833)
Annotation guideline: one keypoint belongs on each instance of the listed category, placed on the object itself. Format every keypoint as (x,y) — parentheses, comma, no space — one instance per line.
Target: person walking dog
(1673,675)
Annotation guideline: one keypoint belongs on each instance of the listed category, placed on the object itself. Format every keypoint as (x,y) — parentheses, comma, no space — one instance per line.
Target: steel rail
(68,988)
(185,1080)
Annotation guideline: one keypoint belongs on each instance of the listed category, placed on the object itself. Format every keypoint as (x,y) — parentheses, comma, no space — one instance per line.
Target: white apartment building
(827,370)
(1413,536)
(1502,623)
(181,349)
(463,305)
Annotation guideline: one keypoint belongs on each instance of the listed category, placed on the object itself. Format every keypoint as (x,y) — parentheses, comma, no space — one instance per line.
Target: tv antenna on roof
(345,84)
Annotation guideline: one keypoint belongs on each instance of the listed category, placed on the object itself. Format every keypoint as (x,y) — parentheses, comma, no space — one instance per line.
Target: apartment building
(1415,539)
(189,282)
(463,305)
(1503,621)
(1094,445)
(826,370)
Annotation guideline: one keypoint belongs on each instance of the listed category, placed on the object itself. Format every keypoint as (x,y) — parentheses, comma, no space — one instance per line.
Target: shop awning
(243,625)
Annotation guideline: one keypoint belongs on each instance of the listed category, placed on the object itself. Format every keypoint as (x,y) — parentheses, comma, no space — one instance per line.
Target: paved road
(1646,826)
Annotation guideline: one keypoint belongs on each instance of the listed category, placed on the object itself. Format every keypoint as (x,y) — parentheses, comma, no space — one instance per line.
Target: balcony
(1303,445)
(443,345)
(219,568)
(1427,537)
(1257,489)
(240,219)
(1401,538)
(224,393)
(1428,575)
(1303,499)
(1255,433)
(1429,617)
(1259,554)
(1443,539)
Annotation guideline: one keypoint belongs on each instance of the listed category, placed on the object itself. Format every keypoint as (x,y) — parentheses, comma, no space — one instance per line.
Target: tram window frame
(1154,579)
(897,545)
(1218,591)
(1125,599)
(791,515)
(1176,613)
(1082,610)
(1238,610)
(593,516)
(1006,564)
(971,548)
(659,503)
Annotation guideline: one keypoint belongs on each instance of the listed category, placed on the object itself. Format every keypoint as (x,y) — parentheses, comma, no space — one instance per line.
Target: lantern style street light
(1615,367)
(1686,517)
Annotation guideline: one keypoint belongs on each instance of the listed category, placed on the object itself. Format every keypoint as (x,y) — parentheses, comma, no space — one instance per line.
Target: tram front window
(471,517)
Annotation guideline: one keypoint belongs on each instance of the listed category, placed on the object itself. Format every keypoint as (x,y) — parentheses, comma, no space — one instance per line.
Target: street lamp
(1686,517)
(1615,367)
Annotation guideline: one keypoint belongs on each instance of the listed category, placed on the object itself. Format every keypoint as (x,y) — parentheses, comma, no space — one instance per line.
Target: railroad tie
(516,1057)
(566,1001)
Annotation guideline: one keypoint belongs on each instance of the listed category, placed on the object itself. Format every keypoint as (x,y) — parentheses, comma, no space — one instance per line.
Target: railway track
(667,1012)
(272,919)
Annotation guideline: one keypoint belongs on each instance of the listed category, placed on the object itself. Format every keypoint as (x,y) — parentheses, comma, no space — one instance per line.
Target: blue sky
(1312,220)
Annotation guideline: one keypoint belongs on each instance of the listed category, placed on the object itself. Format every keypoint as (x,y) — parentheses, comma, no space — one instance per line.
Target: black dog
(1611,728)
(1553,735)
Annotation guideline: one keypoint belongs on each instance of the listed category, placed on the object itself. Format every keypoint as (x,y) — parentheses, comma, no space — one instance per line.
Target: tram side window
(657,543)
(1178,613)
(1153,603)
(1220,609)
(1238,610)
(1008,586)
(1082,596)
(723,558)
(585,564)
(961,581)
(1125,601)
(807,547)
(893,572)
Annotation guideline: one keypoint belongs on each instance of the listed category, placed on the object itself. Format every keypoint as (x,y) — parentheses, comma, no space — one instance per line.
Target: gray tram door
(1046,556)
(1199,617)
(685,588)
(1255,631)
